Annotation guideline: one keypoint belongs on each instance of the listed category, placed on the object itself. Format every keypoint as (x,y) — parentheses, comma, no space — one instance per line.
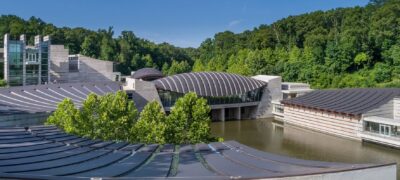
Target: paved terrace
(45,152)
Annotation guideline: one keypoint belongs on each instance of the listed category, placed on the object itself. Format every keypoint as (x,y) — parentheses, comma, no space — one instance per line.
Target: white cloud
(234,23)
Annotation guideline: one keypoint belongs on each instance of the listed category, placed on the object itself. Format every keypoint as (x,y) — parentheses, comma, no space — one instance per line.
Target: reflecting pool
(267,135)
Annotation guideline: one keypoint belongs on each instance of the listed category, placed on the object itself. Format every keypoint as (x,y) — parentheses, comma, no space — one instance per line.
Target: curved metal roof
(349,101)
(44,98)
(209,83)
(147,74)
(45,152)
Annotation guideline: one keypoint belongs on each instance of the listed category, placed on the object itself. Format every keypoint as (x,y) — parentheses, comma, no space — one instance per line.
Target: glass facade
(27,65)
(15,63)
(382,129)
(44,47)
(168,98)
(31,66)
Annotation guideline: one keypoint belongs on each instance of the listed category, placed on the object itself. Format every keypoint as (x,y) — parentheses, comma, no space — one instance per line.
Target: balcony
(381,130)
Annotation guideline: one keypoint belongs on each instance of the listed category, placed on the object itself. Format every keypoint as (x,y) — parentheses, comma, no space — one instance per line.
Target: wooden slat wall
(325,122)
(385,110)
(396,109)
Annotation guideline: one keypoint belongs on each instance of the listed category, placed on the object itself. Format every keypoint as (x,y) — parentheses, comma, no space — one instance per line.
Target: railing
(377,133)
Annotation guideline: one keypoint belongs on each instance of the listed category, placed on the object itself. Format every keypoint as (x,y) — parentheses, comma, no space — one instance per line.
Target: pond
(270,136)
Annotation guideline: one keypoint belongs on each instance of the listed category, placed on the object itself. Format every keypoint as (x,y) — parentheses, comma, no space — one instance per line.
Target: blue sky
(184,23)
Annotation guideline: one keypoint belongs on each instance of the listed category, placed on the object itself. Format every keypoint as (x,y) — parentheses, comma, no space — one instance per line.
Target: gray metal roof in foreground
(209,83)
(348,101)
(44,98)
(44,152)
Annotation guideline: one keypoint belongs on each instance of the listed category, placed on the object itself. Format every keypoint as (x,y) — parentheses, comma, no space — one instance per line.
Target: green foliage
(129,51)
(90,46)
(65,116)
(114,117)
(3,83)
(108,117)
(392,84)
(189,121)
(345,47)
(328,49)
(362,59)
(382,73)
(150,127)
(178,67)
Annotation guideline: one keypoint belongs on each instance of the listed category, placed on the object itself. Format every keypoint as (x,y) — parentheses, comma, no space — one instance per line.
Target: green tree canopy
(189,121)
(150,127)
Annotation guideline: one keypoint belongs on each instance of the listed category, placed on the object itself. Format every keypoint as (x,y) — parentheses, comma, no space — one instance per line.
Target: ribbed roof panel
(209,83)
(349,101)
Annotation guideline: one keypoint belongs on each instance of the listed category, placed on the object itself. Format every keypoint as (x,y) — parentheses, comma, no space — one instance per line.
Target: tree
(108,117)
(179,67)
(65,116)
(239,63)
(151,126)
(362,59)
(90,46)
(107,47)
(118,112)
(189,121)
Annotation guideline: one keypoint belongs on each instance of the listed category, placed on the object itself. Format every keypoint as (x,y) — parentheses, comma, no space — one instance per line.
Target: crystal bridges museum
(42,75)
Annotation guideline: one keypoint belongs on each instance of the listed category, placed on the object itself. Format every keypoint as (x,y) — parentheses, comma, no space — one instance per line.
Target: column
(222,114)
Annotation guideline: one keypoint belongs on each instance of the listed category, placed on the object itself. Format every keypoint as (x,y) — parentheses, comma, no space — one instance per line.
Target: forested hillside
(345,47)
(130,51)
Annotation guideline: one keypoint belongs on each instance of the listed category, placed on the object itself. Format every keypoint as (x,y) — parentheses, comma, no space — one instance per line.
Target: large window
(169,98)
(44,62)
(32,74)
(15,61)
(382,129)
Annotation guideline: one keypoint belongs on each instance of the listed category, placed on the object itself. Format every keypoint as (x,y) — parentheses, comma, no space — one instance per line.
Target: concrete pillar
(6,64)
(222,114)
(237,113)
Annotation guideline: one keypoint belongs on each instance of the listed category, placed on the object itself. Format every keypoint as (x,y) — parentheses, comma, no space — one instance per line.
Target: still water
(266,135)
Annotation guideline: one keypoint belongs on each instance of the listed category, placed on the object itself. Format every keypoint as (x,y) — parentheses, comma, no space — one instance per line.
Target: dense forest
(130,51)
(344,47)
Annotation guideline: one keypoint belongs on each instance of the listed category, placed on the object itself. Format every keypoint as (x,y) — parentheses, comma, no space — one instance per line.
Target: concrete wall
(96,70)
(90,69)
(325,122)
(59,66)
(273,92)
(387,172)
(143,92)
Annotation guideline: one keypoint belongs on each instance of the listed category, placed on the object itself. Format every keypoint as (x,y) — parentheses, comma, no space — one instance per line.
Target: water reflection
(268,136)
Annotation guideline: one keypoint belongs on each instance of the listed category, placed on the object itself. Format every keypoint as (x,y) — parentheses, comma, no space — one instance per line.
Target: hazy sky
(184,23)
